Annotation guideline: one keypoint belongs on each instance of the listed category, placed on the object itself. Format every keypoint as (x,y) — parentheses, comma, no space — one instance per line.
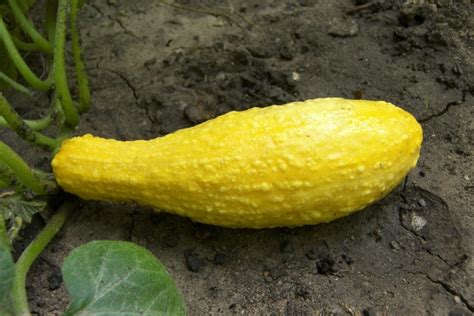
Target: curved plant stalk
(8,177)
(42,123)
(18,61)
(36,125)
(50,18)
(29,28)
(23,6)
(65,131)
(22,129)
(82,81)
(20,168)
(23,45)
(20,300)
(16,85)
(60,77)
(47,179)
(27,4)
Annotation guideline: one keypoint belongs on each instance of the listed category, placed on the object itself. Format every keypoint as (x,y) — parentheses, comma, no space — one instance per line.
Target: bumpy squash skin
(297,164)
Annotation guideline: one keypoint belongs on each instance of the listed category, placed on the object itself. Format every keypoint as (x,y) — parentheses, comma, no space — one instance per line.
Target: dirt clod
(369,311)
(286,246)
(219,259)
(343,27)
(326,264)
(311,255)
(54,280)
(194,262)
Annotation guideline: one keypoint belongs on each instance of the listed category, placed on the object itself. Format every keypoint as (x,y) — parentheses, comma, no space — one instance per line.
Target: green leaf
(18,210)
(119,278)
(7,272)
(18,206)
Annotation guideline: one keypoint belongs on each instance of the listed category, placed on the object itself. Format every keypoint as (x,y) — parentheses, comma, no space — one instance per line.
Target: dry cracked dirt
(156,67)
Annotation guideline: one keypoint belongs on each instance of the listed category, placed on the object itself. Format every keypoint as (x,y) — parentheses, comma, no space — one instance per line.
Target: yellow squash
(295,164)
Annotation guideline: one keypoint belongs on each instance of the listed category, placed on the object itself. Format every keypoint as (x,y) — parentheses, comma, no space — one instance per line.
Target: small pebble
(295,76)
(457,70)
(346,27)
(150,62)
(394,245)
(377,234)
(267,276)
(422,202)
(197,113)
(457,299)
(418,222)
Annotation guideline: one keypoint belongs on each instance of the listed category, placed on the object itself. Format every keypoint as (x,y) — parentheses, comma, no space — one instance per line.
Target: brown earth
(155,69)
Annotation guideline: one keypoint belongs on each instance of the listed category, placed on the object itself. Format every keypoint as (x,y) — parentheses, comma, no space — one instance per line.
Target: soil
(155,69)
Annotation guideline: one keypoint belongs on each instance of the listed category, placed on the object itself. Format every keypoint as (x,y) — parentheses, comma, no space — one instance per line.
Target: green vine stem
(36,125)
(18,61)
(65,131)
(42,123)
(50,18)
(23,6)
(23,45)
(48,181)
(21,169)
(82,81)
(8,177)
(22,129)
(27,4)
(20,300)
(60,76)
(16,85)
(29,28)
